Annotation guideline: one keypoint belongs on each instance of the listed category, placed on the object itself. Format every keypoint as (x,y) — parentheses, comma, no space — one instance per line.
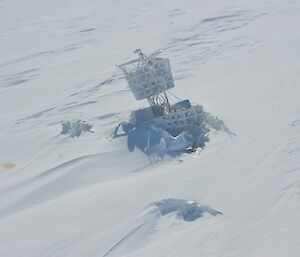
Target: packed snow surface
(90,196)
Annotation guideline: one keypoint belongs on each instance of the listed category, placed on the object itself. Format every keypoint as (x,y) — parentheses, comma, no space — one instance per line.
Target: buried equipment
(162,127)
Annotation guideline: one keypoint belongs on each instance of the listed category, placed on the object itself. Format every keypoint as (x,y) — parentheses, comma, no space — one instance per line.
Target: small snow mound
(75,127)
(187,210)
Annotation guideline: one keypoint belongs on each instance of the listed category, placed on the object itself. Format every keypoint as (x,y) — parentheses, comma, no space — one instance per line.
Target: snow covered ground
(90,196)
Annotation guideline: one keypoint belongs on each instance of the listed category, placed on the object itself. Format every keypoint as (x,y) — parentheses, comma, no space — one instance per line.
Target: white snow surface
(89,196)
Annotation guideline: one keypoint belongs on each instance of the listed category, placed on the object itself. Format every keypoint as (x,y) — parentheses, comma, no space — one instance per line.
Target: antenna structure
(149,78)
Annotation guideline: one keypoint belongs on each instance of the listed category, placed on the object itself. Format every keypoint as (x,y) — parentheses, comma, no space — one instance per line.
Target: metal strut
(160,99)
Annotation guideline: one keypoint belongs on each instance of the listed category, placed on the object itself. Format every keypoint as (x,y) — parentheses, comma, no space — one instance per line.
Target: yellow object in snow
(8,166)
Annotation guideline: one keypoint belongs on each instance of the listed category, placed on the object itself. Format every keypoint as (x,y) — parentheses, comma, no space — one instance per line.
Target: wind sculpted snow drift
(184,210)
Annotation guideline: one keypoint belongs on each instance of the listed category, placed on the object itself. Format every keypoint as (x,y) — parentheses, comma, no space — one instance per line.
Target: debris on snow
(163,128)
(75,127)
(187,210)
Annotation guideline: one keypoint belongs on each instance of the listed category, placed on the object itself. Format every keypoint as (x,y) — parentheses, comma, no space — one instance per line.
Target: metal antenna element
(149,78)
(142,55)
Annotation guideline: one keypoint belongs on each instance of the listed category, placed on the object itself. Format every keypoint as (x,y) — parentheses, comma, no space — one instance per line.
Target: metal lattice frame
(148,78)
(160,99)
